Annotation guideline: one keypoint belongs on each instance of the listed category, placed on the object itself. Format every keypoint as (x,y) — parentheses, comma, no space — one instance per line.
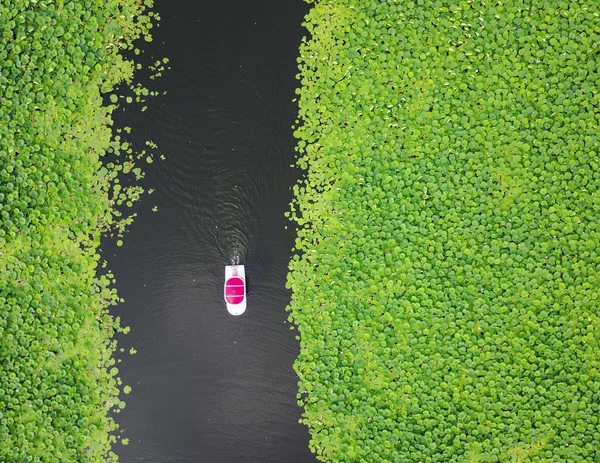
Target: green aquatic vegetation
(446,281)
(65,179)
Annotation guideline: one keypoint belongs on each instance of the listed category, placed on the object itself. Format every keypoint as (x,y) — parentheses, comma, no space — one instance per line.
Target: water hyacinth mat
(60,63)
(446,281)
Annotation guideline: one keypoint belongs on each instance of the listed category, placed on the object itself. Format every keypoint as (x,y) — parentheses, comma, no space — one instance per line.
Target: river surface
(207,386)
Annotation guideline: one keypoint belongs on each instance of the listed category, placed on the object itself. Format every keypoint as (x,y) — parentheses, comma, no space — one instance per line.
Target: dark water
(209,387)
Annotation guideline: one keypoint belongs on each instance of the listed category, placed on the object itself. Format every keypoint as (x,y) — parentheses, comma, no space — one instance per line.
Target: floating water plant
(446,282)
(58,381)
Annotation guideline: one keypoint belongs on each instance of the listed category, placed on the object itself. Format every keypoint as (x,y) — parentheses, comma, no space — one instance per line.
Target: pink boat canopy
(234,290)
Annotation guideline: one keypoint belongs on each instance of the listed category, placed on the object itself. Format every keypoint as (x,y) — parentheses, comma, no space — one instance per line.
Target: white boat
(234,290)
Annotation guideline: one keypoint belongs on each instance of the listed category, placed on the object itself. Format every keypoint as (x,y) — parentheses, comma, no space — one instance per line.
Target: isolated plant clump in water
(58,381)
(446,282)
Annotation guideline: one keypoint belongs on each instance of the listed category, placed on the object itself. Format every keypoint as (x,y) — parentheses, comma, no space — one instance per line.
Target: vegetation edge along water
(59,193)
(446,281)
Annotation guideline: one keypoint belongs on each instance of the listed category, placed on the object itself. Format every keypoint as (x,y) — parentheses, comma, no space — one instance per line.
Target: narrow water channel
(209,387)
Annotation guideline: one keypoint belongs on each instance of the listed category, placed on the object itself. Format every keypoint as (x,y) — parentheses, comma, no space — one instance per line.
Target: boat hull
(234,291)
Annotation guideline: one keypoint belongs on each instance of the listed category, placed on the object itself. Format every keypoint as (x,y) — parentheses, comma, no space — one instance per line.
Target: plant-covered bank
(446,288)
(58,381)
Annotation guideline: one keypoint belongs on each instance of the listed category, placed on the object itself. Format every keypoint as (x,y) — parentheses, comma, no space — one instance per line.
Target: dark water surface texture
(209,387)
